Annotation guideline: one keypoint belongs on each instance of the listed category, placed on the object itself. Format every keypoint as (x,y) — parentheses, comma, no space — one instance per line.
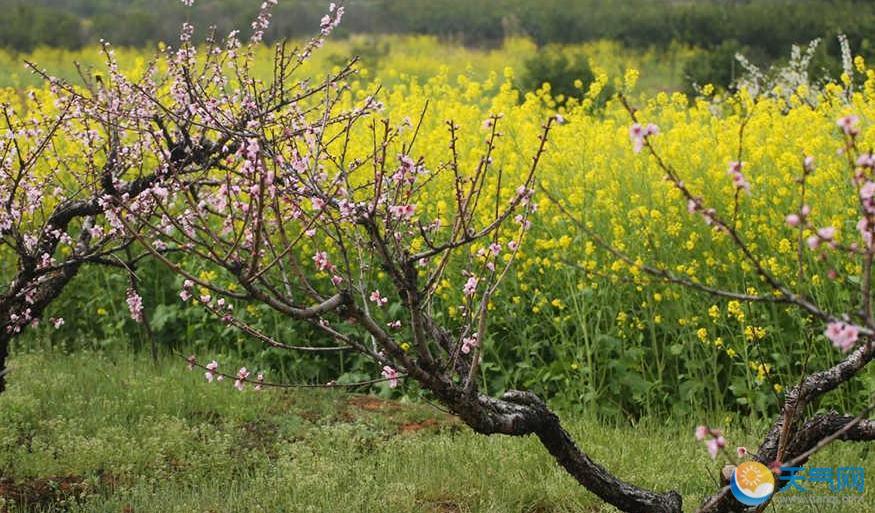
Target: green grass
(96,432)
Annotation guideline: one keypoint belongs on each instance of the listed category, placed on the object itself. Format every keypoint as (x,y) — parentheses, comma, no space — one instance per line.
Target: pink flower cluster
(135,305)
(639,134)
(469,343)
(242,376)
(795,220)
(842,335)
(738,179)
(470,286)
(391,375)
(185,293)
(378,299)
(848,124)
(823,235)
(715,441)
(213,372)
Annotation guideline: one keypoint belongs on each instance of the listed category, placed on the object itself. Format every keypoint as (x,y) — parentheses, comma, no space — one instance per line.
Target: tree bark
(523,413)
(45,290)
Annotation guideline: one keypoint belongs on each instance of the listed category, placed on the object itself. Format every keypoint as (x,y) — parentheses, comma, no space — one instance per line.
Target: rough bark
(46,290)
(789,438)
(523,413)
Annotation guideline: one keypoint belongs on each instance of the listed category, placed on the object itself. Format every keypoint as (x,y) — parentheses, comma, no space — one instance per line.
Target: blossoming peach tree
(69,156)
(285,216)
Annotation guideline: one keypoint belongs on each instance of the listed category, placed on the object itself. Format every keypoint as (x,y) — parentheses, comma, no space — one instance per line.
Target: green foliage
(769,25)
(718,67)
(566,70)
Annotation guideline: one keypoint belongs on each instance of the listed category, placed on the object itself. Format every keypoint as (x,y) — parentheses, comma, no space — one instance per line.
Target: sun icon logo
(752,483)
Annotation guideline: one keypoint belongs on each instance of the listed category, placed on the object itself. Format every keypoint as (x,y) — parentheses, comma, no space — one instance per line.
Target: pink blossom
(701,432)
(848,124)
(512,245)
(714,445)
(259,381)
(378,299)
(469,343)
(318,203)
(212,368)
(808,164)
(391,375)
(394,325)
(58,322)
(738,179)
(866,160)
(792,220)
(240,382)
(638,134)
(495,248)
(741,451)
(192,359)
(470,286)
(826,233)
(402,211)
(135,305)
(321,260)
(867,191)
(842,335)
(336,280)
(865,231)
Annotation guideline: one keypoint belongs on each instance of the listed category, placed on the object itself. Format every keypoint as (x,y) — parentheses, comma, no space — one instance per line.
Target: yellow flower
(778,388)
(734,309)
(714,312)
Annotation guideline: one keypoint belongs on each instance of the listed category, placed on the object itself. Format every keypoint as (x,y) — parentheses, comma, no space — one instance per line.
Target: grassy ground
(92,432)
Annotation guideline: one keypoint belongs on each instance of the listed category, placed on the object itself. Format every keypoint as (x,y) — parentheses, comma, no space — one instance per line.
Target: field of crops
(574,321)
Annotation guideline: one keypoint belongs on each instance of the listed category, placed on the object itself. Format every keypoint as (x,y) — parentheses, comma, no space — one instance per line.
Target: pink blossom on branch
(377,299)
(639,134)
(842,335)
(469,343)
(714,445)
(470,286)
(848,124)
(240,382)
(135,304)
(738,179)
(212,371)
(391,376)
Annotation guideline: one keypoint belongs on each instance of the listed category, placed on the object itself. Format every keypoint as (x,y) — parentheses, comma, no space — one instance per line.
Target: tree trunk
(44,291)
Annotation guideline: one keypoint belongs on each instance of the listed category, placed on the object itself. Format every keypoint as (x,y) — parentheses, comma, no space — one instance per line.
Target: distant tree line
(770,26)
